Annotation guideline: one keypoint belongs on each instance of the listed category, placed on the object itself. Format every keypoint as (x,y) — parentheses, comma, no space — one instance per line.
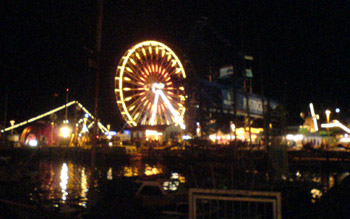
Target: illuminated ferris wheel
(149,86)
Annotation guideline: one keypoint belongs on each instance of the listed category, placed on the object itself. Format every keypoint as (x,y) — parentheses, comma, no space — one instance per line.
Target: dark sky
(301,49)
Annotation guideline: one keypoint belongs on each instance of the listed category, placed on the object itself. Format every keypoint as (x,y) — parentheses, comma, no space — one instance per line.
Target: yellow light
(127,79)
(313,116)
(152,132)
(128,98)
(127,88)
(181,88)
(143,51)
(150,50)
(149,106)
(128,69)
(328,113)
(65,131)
(132,107)
(132,61)
(138,56)
(157,49)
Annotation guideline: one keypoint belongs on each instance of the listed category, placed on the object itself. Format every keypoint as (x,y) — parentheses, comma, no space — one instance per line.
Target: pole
(95,129)
(245,77)
(5,115)
(247,100)
(235,102)
(66,115)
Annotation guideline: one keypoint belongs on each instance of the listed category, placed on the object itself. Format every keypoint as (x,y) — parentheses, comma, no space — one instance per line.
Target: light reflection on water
(84,188)
(64,181)
(68,182)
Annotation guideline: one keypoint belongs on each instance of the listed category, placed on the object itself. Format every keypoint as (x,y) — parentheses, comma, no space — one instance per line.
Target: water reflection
(84,188)
(64,181)
(316,194)
(110,174)
(67,182)
(138,168)
(152,170)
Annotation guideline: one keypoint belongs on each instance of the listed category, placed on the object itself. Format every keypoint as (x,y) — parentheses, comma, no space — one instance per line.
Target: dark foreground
(313,184)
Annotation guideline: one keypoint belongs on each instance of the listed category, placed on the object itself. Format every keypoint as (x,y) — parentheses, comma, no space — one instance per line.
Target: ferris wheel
(149,86)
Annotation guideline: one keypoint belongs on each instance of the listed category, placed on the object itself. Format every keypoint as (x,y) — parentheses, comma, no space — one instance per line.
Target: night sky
(301,49)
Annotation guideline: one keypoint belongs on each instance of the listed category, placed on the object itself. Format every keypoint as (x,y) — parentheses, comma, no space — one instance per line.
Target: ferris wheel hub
(157,86)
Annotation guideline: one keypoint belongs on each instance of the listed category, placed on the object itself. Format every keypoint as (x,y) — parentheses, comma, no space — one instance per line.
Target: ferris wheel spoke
(154,108)
(136,115)
(136,73)
(172,110)
(136,69)
(166,64)
(134,83)
(129,98)
(132,76)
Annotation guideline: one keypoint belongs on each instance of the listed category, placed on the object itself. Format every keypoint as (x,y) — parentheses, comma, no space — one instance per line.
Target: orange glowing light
(146,71)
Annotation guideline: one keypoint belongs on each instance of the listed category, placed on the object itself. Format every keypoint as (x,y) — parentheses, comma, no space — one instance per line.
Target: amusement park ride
(150,86)
(56,133)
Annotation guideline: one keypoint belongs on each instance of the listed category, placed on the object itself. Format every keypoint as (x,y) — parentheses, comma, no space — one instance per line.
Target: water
(66,182)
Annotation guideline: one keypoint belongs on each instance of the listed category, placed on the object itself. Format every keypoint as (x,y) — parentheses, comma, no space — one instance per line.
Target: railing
(215,203)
